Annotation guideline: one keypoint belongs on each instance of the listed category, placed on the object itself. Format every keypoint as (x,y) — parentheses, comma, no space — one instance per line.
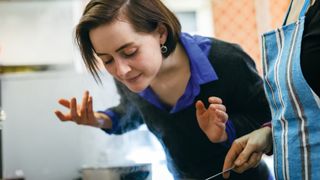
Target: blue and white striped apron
(295,107)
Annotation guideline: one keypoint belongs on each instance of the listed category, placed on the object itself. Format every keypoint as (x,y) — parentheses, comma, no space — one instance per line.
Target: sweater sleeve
(250,103)
(125,117)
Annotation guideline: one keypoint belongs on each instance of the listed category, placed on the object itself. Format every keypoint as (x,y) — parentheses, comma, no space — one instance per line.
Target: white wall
(203,10)
(34,140)
(37,32)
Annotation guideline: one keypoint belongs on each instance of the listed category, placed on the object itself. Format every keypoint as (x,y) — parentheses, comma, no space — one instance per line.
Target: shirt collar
(198,49)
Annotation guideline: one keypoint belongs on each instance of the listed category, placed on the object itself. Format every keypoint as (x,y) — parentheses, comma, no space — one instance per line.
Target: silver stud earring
(163,49)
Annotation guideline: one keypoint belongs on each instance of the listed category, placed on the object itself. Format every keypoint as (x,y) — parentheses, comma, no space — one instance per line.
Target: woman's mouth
(133,79)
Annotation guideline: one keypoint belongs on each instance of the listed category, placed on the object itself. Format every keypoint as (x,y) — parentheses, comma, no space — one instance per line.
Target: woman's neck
(174,62)
(173,77)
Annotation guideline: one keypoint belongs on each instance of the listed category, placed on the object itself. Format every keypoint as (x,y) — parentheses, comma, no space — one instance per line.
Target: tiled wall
(243,21)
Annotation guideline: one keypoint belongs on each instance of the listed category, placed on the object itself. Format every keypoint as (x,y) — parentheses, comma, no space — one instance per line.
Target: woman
(292,76)
(179,85)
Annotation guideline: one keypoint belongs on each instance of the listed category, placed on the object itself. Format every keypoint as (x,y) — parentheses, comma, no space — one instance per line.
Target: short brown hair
(143,15)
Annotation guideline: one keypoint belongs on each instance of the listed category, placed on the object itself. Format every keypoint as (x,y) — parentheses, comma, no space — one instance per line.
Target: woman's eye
(129,52)
(109,61)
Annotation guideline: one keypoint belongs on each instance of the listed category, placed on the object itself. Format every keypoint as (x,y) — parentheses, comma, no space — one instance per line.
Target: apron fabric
(295,107)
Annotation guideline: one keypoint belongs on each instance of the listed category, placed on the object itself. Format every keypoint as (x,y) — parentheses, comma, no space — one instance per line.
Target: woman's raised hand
(213,120)
(83,113)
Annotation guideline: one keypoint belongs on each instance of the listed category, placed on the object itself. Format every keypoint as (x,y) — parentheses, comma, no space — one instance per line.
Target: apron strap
(287,14)
(303,11)
(305,7)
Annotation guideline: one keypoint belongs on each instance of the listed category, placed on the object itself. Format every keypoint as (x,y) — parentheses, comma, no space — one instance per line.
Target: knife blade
(229,169)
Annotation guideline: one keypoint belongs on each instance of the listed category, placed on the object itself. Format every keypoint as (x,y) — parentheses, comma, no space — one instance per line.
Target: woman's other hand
(213,120)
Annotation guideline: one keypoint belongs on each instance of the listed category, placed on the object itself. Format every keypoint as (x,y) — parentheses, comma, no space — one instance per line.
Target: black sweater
(310,48)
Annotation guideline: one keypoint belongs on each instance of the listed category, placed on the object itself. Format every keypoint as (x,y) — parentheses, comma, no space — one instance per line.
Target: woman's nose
(122,68)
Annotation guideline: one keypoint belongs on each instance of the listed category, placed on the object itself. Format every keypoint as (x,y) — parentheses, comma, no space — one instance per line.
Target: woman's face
(132,58)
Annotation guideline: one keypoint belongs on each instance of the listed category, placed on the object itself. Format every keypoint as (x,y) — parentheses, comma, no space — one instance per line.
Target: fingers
(59,114)
(247,152)
(201,109)
(253,161)
(214,112)
(62,117)
(215,103)
(84,108)
(259,157)
(231,156)
(73,110)
(202,116)
(90,112)
(220,107)
(215,100)
(79,113)
(220,114)
(64,102)
(217,107)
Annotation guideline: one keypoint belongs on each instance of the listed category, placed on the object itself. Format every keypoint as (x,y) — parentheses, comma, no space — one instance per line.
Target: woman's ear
(163,32)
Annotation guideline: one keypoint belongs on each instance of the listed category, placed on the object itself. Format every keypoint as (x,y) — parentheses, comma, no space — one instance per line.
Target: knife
(229,169)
